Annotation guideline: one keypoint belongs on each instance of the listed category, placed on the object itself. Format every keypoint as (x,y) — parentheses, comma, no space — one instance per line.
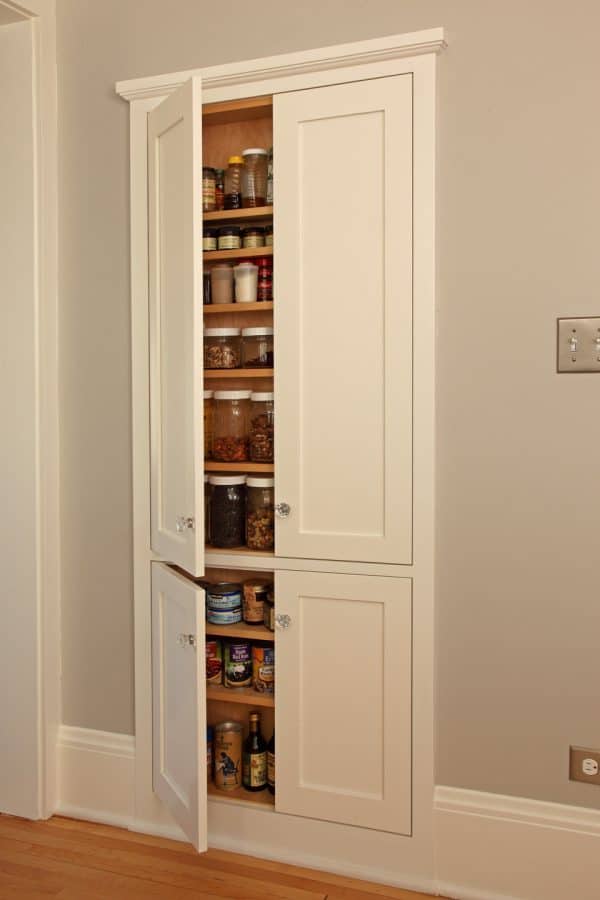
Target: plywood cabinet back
(221,141)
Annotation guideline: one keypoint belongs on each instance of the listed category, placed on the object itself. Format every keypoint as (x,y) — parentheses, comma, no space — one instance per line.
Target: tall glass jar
(209,200)
(233,182)
(230,434)
(208,423)
(262,426)
(257,348)
(221,348)
(227,510)
(219,188)
(254,177)
(260,513)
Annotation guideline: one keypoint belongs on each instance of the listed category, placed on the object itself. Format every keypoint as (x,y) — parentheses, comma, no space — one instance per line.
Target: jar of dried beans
(221,348)
(260,513)
(227,510)
(262,423)
(230,428)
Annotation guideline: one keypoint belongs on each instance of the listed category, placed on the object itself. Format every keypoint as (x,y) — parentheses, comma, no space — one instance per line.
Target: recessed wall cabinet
(351,370)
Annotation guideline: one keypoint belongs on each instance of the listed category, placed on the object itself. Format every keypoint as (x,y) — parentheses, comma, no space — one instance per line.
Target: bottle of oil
(254,758)
(271,764)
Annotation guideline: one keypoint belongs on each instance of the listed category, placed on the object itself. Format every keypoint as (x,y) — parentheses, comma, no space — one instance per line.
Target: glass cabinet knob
(282,620)
(183,523)
(283,510)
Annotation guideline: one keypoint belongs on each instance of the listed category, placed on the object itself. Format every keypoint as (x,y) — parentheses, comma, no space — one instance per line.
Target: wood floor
(71,860)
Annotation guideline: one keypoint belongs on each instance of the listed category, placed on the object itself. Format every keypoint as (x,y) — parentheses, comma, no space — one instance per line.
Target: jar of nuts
(222,348)
(262,425)
(260,513)
(230,426)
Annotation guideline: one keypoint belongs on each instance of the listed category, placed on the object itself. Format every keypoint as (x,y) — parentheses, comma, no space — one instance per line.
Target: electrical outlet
(578,345)
(584,765)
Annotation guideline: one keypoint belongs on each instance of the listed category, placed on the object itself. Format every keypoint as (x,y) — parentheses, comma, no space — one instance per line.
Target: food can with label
(237,663)
(263,668)
(214,661)
(224,595)
(227,755)
(256,591)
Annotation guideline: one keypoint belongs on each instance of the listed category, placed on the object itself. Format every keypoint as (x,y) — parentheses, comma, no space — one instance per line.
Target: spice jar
(230,432)
(257,348)
(208,423)
(262,426)
(230,237)
(246,279)
(255,592)
(265,279)
(260,514)
(209,238)
(253,236)
(219,188)
(206,510)
(233,182)
(221,348)
(268,235)
(227,510)
(208,189)
(254,177)
(221,283)
(206,288)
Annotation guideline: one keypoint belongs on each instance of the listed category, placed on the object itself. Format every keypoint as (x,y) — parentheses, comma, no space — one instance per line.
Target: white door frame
(32,770)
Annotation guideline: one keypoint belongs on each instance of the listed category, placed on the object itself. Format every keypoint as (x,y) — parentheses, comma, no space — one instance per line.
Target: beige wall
(518,618)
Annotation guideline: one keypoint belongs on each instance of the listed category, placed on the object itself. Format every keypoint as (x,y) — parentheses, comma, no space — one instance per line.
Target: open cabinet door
(179,700)
(175,292)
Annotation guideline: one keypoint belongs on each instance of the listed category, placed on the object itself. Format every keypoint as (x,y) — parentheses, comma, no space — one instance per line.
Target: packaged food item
(264,290)
(214,661)
(270,178)
(233,182)
(269,611)
(230,237)
(246,280)
(221,283)
(209,752)
(206,288)
(257,348)
(208,189)
(271,764)
(224,603)
(262,427)
(254,770)
(260,514)
(230,435)
(219,188)
(227,752)
(263,668)
(227,510)
(254,177)
(255,592)
(221,348)
(209,238)
(237,663)
(253,236)
(268,236)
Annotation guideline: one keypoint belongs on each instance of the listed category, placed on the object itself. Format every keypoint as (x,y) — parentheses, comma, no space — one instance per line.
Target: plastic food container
(257,348)
(221,283)
(268,236)
(233,182)
(221,348)
(227,510)
(254,177)
(260,513)
(230,434)
(262,427)
(246,282)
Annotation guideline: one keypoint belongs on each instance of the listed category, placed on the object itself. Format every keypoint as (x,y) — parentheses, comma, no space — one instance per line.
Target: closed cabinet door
(343,710)
(343,326)
(179,700)
(175,292)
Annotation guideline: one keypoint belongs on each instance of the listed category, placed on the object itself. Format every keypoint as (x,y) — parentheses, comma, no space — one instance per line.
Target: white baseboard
(493,847)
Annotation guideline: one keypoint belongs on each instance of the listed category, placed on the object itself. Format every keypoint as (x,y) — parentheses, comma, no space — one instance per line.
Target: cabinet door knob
(282,620)
(283,510)
(184,523)
(186,640)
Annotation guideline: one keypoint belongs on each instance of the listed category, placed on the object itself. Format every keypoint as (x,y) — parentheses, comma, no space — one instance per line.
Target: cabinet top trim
(391,47)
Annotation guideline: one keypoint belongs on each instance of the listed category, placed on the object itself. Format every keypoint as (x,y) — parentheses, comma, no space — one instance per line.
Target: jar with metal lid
(227,510)
(209,238)
(262,427)
(208,189)
(264,291)
(246,277)
(254,177)
(257,348)
(260,513)
(230,431)
(206,510)
(219,188)
(253,236)
(255,591)
(221,348)
(233,182)
(230,237)
(221,283)
(268,235)
(208,423)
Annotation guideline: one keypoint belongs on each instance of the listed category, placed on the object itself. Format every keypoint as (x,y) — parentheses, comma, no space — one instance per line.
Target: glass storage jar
(262,427)
(254,177)
(219,188)
(227,510)
(257,348)
(253,236)
(209,199)
(221,283)
(230,237)
(265,279)
(206,510)
(233,182)
(260,513)
(221,348)
(230,430)
(208,423)
(246,280)
(209,238)
(268,235)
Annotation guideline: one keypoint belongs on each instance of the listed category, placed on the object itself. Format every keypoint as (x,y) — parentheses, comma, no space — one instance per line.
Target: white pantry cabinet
(352,312)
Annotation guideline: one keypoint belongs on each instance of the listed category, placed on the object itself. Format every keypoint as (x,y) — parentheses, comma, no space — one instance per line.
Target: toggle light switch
(578,345)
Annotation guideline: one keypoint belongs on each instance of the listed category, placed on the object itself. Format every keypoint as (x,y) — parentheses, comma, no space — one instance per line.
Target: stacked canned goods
(223,603)
(237,663)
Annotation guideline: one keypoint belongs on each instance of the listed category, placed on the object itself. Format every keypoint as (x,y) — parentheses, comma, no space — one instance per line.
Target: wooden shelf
(245,696)
(237,215)
(238,552)
(239,795)
(214,466)
(238,373)
(247,253)
(241,630)
(216,308)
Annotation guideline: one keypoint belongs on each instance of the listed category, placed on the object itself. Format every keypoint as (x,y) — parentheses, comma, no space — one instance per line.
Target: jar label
(271,769)
(229,242)
(255,769)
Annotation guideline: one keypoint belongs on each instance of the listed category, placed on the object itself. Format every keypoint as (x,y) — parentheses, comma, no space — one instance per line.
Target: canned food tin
(227,753)
(224,616)
(255,593)
(263,668)
(224,595)
(237,664)
(214,661)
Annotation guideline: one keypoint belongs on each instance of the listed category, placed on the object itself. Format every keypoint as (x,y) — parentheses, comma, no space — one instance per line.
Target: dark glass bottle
(254,758)
(271,764)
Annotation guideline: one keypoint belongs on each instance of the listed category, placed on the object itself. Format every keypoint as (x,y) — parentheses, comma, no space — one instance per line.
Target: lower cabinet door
(343,709)
(179,700)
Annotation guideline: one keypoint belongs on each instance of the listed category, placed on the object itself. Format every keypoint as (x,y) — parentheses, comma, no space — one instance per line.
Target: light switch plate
(578,345)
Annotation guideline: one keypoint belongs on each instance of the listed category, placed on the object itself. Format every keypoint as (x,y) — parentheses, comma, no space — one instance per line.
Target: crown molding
(376,50)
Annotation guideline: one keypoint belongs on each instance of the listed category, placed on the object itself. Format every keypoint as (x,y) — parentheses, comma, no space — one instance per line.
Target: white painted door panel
(343,331)
(179,700)
(175,290)
(343,713)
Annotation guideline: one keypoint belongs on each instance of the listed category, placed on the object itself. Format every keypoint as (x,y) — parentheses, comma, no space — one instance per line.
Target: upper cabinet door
(343,280)
(179,700)
(175,288)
